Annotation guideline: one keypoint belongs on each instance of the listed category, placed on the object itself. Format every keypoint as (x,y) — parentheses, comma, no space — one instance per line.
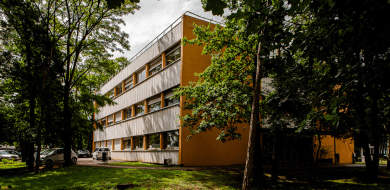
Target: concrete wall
(146,156)
(344,147)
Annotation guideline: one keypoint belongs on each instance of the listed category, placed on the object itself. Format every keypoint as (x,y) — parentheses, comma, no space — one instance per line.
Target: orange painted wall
(344,147)
(203,149)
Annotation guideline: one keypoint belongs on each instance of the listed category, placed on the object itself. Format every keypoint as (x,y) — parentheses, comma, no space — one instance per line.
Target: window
(140,109)
(129,83)
(118,116)
(141,75)
(173,56)
(154,103)
(173,139)
(110,120)
(169,100)
(154,141)
(128,113)
(139,142)
(104,123)
(127,144)
(155,67)
(154,106)
(118,90)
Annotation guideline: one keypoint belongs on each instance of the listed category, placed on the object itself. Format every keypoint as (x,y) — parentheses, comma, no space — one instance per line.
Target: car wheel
(49,163)
(109,158)
(93,158)
(74,160)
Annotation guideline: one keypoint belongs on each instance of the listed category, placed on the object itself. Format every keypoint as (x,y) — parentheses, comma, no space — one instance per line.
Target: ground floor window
(139,142)
(154,141)
(127,144)
(173,139)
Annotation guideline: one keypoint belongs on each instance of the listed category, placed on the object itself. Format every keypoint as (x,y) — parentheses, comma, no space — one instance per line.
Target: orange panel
(203,149)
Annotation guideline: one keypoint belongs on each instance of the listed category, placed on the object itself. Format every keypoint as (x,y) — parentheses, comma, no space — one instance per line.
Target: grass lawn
(9,164)
(135,164)
(84,177)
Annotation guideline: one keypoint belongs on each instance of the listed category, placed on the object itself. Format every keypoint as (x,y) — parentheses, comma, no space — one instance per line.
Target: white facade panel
(161,45)
(117,144)
(146,156)
(160,82)
(97,144)
(159,121)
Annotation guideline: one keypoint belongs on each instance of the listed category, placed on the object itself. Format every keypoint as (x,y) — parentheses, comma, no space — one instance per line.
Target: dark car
(83,153)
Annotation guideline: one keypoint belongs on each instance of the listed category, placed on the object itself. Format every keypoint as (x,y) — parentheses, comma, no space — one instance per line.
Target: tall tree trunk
(388,151)
(376,136)
(67,127)
(275,157)
(39,130)
(248,173)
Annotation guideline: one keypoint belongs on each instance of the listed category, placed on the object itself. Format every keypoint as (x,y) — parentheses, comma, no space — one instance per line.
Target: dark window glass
(154,141)
(154,70)
(127,144)
(110,122)
(119,90)
(172,57)
(171,101)
(173,139)
(128,113)
(139,142)
(128,86)
(140,109)
(154,106)
(104,123)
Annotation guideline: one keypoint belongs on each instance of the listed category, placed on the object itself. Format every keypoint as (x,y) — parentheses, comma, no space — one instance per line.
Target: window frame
(137,141)
(151,146)
(167,137)
(172,52)
(136,109)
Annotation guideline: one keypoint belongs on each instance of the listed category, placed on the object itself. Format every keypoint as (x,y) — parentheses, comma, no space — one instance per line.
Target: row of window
(169,140)
(141,75)
(153,104)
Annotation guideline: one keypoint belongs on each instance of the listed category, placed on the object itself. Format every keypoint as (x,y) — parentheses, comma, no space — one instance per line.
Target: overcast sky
(154,17)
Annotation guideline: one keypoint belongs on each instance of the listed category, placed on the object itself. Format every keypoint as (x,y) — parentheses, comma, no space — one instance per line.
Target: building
(144,125)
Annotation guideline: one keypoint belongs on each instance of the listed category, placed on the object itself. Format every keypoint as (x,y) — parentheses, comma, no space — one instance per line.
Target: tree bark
(388,151)
(248,173)
(275,157)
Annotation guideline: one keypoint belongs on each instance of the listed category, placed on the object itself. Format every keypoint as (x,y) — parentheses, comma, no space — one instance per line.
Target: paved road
(91,162)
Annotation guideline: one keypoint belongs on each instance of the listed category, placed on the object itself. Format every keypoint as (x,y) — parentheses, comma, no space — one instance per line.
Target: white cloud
(154,17)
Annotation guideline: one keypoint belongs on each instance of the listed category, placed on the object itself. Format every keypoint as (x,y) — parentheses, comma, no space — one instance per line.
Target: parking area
(90,161)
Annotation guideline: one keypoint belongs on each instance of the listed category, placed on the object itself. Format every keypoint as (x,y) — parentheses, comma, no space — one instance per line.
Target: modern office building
(144,124)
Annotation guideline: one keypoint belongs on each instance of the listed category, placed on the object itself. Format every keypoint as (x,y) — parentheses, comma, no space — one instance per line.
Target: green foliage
(222,96)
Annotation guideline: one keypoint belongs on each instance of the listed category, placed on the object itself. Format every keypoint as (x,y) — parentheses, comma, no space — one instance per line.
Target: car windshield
(48,151)
(3,152)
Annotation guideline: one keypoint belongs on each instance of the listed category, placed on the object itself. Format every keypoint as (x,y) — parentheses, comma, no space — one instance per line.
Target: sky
(154,17)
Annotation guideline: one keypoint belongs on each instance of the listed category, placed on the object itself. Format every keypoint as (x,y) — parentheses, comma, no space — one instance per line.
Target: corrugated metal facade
(146,156)
(159,121)
(164,80)
(163,44)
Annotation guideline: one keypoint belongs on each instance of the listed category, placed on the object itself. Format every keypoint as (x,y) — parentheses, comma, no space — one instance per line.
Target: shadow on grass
(330,178)
(82,177)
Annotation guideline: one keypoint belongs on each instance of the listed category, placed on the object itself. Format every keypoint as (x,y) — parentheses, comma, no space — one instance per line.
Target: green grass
(135,164)
(10,164)
(83,177)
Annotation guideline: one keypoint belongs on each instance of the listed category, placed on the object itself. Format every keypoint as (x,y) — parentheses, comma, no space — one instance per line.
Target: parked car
(98,153)
(10,154)
(55,156)
(83,153)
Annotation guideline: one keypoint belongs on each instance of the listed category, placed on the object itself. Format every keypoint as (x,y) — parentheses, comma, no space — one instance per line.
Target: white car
(98,153)
(9,155)
(55,156)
